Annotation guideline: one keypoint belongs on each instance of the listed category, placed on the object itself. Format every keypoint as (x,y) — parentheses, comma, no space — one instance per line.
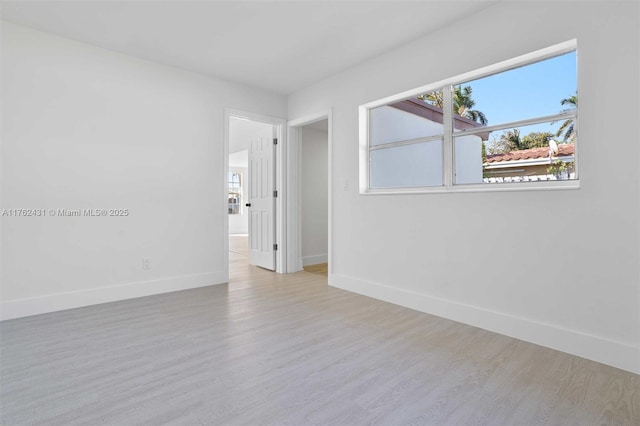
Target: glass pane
(468,159)
(409,119)
(234,191)
(537,152)
(234,178)
(407,166)
(535,90)
(234,203)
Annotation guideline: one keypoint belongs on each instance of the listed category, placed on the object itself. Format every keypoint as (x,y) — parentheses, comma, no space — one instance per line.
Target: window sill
(491,187)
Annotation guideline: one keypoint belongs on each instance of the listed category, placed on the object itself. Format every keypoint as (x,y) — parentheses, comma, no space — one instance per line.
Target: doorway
(314,196)
(238,216)
(309,189)
(251,176)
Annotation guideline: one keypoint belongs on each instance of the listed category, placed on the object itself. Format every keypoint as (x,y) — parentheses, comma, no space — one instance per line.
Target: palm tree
(511,140)
(567,130)
(462,103)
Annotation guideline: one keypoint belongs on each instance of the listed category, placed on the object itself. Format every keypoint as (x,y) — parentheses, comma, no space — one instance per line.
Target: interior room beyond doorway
(314,200)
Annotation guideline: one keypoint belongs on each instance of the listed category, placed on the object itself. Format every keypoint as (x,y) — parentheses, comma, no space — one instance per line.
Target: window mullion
(447,144)
(405,142)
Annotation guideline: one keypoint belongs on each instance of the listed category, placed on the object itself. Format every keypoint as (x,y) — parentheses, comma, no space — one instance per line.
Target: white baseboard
(614,353)
(60,301)
(314,260)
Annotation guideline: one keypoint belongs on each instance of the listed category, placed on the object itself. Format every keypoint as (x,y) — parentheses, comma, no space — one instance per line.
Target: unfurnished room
(320,212)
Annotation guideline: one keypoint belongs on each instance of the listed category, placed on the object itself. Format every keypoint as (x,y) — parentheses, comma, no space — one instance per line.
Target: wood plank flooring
(320,269)
(288,349)
(239,244)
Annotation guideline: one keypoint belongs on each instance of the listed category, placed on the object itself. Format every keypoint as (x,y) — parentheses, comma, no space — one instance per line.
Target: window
(512,125)
(235,193)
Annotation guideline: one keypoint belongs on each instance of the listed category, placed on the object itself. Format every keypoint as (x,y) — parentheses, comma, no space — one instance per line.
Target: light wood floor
(320,269)
(288,349)
(239,244)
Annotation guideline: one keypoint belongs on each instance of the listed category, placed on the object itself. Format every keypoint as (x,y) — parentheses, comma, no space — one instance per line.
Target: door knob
(248,204)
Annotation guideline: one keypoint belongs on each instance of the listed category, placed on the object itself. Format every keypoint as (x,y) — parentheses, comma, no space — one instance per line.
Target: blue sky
(527,92)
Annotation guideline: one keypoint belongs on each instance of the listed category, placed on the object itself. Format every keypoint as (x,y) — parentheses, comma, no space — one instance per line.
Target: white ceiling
(280,46)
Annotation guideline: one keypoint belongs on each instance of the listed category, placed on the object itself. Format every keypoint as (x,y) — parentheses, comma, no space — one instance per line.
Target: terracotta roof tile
(565,149)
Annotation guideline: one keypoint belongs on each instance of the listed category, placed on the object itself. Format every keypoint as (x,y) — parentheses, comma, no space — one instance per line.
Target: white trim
(75,299)
(528,162)
(406,142)
(315,259)
(293,225)
(615,353)
(506,65)
(225,194)
(576,141)
(280,183)
(293,195)
(448,150)
(310,119)
(363,131)
(519,123)
(481,187)
(576,126)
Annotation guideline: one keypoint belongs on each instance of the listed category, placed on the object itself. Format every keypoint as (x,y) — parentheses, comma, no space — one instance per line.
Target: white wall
(314,194)
(468,159)
(408,166)
(84,127)
(389,124)
(558,268)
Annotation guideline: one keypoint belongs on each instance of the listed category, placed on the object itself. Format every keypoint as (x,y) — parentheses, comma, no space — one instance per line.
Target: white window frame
(448,154)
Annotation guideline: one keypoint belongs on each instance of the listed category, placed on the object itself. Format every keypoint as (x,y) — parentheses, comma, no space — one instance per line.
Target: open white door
(261,202)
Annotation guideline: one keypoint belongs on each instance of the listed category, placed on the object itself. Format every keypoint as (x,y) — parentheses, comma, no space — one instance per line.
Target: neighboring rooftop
(435,114)
(564,150)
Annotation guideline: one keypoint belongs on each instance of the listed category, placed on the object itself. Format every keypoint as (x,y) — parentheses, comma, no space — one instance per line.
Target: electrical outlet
(146,263)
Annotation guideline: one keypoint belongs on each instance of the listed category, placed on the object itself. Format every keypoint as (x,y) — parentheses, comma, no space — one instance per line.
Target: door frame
(280,214)
(293,188)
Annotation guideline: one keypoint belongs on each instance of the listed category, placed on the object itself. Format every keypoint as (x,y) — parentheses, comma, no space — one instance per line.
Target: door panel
(261,187)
